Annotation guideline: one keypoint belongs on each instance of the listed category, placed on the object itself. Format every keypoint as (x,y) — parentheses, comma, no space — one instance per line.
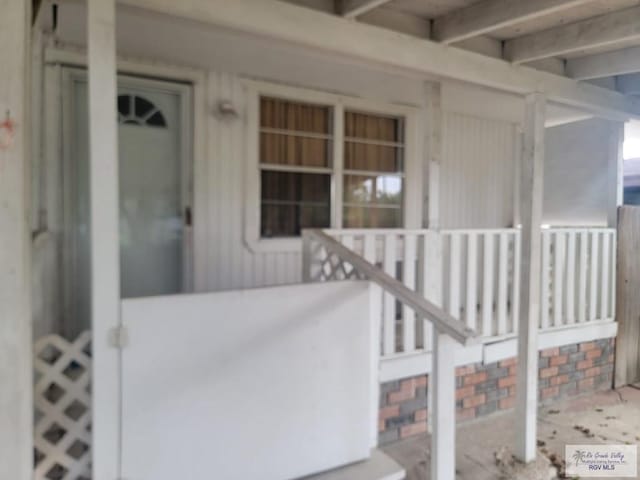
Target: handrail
(441,320)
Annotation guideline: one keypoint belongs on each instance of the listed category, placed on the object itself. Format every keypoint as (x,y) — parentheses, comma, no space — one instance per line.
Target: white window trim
(412,198)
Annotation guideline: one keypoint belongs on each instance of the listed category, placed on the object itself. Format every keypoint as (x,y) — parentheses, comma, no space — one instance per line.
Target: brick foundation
(484,389)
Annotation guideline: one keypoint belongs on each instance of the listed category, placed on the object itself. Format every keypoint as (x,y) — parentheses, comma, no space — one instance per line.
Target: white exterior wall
(575,174)
(478,138)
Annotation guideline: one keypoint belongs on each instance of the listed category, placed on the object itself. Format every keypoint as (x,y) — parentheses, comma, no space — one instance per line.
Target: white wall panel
(477,174)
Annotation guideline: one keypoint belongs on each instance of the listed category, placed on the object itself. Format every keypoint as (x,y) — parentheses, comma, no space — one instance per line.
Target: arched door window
(137,110)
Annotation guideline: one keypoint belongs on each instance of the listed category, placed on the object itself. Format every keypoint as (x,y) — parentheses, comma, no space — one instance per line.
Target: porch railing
(326,258)
(474,275)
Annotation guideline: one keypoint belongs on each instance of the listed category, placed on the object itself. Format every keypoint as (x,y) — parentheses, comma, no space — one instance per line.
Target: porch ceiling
(563,33)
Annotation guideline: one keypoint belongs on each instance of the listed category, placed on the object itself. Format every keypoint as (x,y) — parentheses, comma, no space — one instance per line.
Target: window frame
(412,203)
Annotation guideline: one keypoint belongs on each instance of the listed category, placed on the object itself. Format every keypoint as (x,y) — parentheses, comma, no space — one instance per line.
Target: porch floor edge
(379,466)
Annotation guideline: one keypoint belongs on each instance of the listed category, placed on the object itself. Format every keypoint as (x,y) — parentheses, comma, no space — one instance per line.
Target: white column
(615,180)
(443,438)
(16,378)
(531,182)
(105,264)
(433,153)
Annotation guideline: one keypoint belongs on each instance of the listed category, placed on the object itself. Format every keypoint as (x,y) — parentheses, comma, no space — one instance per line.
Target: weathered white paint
(443,444)
(489,15)
(331,34)
(16,404)
(355,8)
(233,374)
(618,62)
(576,182)
(105,240)
(531,191)
(601,31)
(420,363)
(476,177)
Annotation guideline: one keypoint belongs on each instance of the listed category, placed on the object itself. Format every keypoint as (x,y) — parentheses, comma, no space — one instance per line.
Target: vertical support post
(443,440)
(531,191)
(16,378)
(105,259)
(306,257)
(615,173)
(433,150)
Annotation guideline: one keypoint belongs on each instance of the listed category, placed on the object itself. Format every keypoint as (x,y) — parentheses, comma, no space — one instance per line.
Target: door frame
(72,74)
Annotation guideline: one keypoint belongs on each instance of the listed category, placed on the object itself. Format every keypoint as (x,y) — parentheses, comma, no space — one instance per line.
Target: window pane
(294,116)
(373,127)
(374,158)
(293,201)
(371,217)
(372,189)
(279,149)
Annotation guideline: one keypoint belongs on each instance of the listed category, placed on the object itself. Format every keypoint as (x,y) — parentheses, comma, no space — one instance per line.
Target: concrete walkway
(611,417)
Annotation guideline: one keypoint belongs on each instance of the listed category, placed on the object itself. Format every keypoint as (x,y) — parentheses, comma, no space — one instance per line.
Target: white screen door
(153,191)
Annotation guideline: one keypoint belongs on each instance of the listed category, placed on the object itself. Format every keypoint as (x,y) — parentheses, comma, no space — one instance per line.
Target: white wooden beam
(355,8)
(105,258)
(490,15)
(602,31)
(531,190)
(443,439)
(397,52)
(615,177)
(16,377)
(618,62)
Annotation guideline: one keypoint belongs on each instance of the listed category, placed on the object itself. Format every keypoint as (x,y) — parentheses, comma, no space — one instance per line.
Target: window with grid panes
(297,168)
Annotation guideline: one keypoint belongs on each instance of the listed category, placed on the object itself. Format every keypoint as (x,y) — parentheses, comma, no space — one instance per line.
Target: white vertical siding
(477,189)
(477,175)
(230,263)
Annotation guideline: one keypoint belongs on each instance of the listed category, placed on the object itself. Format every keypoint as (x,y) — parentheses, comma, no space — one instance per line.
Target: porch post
(433,153)
(531,182)
(615,169)
(16,378)
(105,261)
(443,439)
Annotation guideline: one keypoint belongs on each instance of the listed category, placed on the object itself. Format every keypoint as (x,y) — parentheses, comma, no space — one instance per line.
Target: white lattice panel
(62,397)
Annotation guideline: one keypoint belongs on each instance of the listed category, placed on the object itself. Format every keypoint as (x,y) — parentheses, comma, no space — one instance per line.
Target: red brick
(401,396)
(512,391)
(465,414)
(421,381)
(550,392)
(389,412)
(559,380)
(548,372)
(381,425)
(465,392)
(413,429)
(584,364)
(509,362)
(591,354)
(513,370)
(474,401)
(508,402)
(420,415)
(550,352)
(558,360)
(506,381)
(592,372)
(585,383)
(465,370)
(585,347)
(475,378)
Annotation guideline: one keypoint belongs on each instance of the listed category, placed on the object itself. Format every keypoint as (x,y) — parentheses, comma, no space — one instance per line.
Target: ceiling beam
(608,64)
(355,8)
(391,51)
(602,31)
(489,15)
